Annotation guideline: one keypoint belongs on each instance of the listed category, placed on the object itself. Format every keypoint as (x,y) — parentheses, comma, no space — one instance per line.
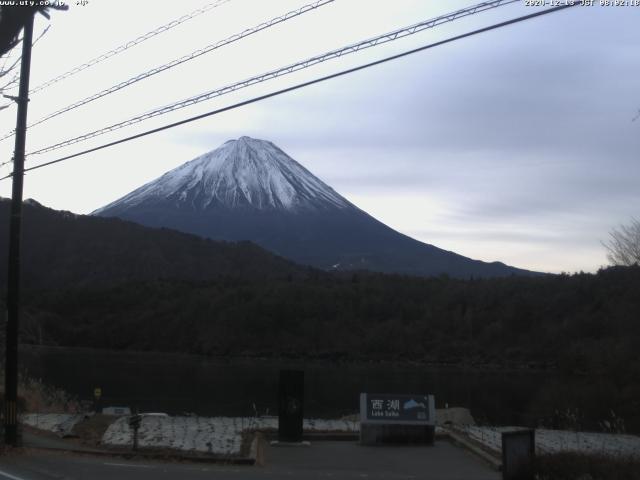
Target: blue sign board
(397,409)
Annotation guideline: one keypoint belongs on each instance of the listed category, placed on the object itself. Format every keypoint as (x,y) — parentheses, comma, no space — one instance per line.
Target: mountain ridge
(62,249)
(249,189)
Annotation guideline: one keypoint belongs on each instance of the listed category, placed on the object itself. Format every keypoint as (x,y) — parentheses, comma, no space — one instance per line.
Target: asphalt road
(322,460)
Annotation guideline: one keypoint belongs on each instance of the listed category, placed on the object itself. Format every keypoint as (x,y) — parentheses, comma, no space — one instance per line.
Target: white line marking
(9,476)
(130,465)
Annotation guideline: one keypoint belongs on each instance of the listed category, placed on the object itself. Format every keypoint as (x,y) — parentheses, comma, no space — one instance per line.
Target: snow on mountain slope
(241,173)
(249,189)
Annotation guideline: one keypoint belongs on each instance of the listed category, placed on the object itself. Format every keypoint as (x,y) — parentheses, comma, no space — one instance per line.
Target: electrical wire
(371,42)
(126,46)
(303,85)
(178,61)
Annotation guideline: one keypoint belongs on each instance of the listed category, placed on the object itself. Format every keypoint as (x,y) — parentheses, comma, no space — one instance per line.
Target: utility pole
(15,224)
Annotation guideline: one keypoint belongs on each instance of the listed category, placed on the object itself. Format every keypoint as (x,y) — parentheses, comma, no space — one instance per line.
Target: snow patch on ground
(59,423)
(555,441)
(320,425)
(218,435)
(193,434)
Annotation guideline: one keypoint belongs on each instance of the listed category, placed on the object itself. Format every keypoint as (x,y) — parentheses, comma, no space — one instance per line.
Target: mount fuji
(250,189)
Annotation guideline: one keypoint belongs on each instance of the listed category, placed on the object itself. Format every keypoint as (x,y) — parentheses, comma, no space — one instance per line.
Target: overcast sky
(516,145)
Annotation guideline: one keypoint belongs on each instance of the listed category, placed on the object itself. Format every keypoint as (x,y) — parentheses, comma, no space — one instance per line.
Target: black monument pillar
(290,405)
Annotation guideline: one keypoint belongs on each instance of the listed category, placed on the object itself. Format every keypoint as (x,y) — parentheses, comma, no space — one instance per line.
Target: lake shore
(309,360)
(238,386)
(232,436)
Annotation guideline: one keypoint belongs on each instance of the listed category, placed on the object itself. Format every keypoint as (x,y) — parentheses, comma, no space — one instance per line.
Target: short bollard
(134,423)
(97,403)
(518,454)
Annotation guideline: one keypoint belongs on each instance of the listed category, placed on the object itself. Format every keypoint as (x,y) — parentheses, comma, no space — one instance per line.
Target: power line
(371,42)
(302,85)
(130,44)
(186,58)
(181,60)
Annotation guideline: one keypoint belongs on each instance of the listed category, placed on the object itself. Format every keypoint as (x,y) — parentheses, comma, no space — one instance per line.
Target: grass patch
(91,429)
(34,396)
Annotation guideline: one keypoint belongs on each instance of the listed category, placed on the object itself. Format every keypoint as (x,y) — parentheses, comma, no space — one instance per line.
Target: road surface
(322,460)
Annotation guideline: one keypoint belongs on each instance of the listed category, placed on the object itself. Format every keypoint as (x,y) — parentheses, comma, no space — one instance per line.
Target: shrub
(35,396)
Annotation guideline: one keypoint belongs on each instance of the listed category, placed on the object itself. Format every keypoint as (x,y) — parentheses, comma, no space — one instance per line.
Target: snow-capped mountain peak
(249,189)
(242,173)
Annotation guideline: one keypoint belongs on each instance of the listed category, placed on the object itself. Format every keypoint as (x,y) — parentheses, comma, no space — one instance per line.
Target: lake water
(178,384)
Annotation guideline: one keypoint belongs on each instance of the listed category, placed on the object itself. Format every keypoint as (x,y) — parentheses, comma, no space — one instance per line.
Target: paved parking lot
(443,461)
(321,460)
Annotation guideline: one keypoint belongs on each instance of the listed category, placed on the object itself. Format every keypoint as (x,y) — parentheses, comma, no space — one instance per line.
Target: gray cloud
(529,126)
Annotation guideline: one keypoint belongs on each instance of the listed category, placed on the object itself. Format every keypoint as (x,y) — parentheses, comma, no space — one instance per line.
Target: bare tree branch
(5,71)
(623,246)
(13,18)
(7,55)
(11,83)
(44,32)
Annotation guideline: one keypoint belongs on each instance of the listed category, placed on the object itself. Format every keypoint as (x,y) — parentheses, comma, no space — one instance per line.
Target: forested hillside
(106,283)
(62,249)
(112,284)
(579,323)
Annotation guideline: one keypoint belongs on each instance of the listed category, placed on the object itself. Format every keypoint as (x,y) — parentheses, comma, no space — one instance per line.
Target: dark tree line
(105,283)
(583,323)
